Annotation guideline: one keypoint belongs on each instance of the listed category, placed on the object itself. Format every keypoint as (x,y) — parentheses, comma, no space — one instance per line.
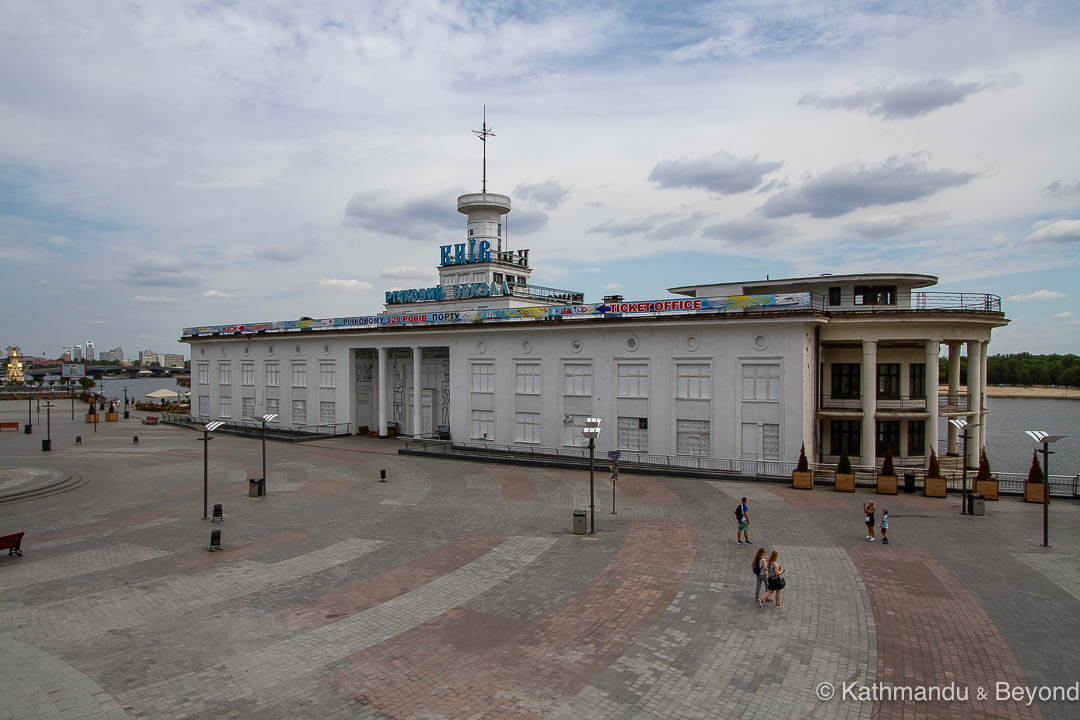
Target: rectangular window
(483,377)
(692,437)
(247,408)
(845,435)
(917,377)
(888,435)
(327,413)
(247,373)
(204,405)
(633,434)
(273,406)
(875,294)
(483,424)
(916,437)
(272,376)
(770,441)
(527,377)
(572,436)
(299,412)
(888,381)
(528,428)
(299,374)
(224,407)
(633,380)
(225,373)
(834,296)
(845,380)
(327,375)
(694,381)
(577,379)
(761,382)
(204,373)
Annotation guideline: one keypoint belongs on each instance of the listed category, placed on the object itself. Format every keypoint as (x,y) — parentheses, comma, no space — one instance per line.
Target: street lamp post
(46,444)
(966,505)
(268,417)
(1041,436)
(591,431)
(29,415)
(205,439)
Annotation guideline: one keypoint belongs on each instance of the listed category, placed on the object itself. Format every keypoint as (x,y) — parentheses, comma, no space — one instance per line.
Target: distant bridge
(99,371)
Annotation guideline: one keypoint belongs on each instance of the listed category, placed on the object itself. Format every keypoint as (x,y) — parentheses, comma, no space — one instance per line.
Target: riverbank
(1024,391)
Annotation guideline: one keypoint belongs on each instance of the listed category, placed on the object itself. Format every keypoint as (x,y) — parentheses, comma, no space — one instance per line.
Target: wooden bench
(9,426)
(12,542)
(150,420)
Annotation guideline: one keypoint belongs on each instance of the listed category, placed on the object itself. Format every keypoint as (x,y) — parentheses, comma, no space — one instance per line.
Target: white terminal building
(743,370)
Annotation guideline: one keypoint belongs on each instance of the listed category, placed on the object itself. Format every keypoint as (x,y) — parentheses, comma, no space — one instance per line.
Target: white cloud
(406,272)
(1037,295)
(154,299)
(215,294)
(344,284)
(1055,231)
(1064,315)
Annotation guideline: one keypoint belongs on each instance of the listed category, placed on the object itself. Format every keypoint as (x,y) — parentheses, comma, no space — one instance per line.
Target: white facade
(753,371)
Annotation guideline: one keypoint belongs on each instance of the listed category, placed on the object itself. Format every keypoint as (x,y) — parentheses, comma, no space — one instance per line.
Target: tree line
(1023,369)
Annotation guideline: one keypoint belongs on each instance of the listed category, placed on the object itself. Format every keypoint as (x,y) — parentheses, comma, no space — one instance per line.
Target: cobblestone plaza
(458,590)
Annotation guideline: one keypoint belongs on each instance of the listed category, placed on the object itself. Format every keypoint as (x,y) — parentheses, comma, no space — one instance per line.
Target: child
(885,527)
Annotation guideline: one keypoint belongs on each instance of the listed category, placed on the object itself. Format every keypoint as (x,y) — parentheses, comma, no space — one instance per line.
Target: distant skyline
(176,163)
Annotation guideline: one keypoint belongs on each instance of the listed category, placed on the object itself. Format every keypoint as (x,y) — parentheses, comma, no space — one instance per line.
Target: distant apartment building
(148,357)
(114,355)
(90,350)
(76,353)
(65,357)
(172,360)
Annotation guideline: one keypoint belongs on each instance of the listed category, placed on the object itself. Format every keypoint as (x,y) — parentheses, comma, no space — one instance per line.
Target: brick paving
(457,590)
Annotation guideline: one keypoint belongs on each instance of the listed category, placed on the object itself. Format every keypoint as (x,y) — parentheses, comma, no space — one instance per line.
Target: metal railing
(970,302)
(254,427)
(903,402)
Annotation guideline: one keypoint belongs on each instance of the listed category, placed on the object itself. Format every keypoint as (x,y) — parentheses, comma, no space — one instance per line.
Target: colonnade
(383,362)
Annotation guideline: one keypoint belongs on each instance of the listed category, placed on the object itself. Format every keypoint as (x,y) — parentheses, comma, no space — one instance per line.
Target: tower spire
(483,134)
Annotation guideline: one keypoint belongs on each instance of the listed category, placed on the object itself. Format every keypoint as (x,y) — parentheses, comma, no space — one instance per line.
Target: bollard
(382,476)
(217,516)
(135,440)
(215,540)
(78,439)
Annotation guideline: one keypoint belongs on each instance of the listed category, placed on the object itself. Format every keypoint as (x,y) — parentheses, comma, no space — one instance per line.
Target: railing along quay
(254,428)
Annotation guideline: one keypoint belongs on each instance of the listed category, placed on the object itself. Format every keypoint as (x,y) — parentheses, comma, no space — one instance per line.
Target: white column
(868,388)
(975,390)
(954,394)
(933,349)
(417,426)
(985,404)
(381,379)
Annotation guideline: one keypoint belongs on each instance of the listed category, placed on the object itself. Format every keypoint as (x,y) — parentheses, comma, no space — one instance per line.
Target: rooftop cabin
(855,292)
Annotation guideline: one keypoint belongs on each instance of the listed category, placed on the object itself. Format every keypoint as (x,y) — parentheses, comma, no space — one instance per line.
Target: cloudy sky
(165,163)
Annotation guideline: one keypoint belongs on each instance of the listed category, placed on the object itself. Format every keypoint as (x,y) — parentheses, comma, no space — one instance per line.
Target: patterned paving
(457,590)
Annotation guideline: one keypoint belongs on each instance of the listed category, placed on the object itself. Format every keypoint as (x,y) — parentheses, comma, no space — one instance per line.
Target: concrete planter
(1034,492)
(987,488)
(845,482)
(802,480)
(111,417)
(935,487)
(886,484)
(91,418)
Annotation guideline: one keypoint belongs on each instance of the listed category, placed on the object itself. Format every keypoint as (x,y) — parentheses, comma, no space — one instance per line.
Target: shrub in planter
(886,479)
(803,477)
(845,479)
(985,484)
(934,485)
(1034,488)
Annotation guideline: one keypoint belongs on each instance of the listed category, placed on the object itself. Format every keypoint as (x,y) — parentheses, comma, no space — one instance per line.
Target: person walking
(868,510)
(761,570)
(776,581)
(885,526)
(742,514)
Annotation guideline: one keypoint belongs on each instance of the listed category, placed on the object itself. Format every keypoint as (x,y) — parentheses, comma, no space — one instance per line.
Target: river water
(1010,448)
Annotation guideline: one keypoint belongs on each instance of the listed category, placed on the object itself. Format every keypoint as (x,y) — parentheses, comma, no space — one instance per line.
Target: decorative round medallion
(692,343)
(631,344)
(575,345)
(526,346)
(760,342)
(481,347)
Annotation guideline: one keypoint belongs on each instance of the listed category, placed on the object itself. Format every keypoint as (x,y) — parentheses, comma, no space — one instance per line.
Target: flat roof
(915,280)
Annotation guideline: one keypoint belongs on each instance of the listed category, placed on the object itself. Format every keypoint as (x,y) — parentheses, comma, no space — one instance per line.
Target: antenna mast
(483,134)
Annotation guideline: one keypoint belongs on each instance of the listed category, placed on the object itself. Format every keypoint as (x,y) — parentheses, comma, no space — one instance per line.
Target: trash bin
(978,505)
(262,487)
(28,429)
(909,482)
(253,487)
(579,522)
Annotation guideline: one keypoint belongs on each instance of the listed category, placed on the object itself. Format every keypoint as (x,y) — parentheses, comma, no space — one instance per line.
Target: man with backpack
(742,514)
